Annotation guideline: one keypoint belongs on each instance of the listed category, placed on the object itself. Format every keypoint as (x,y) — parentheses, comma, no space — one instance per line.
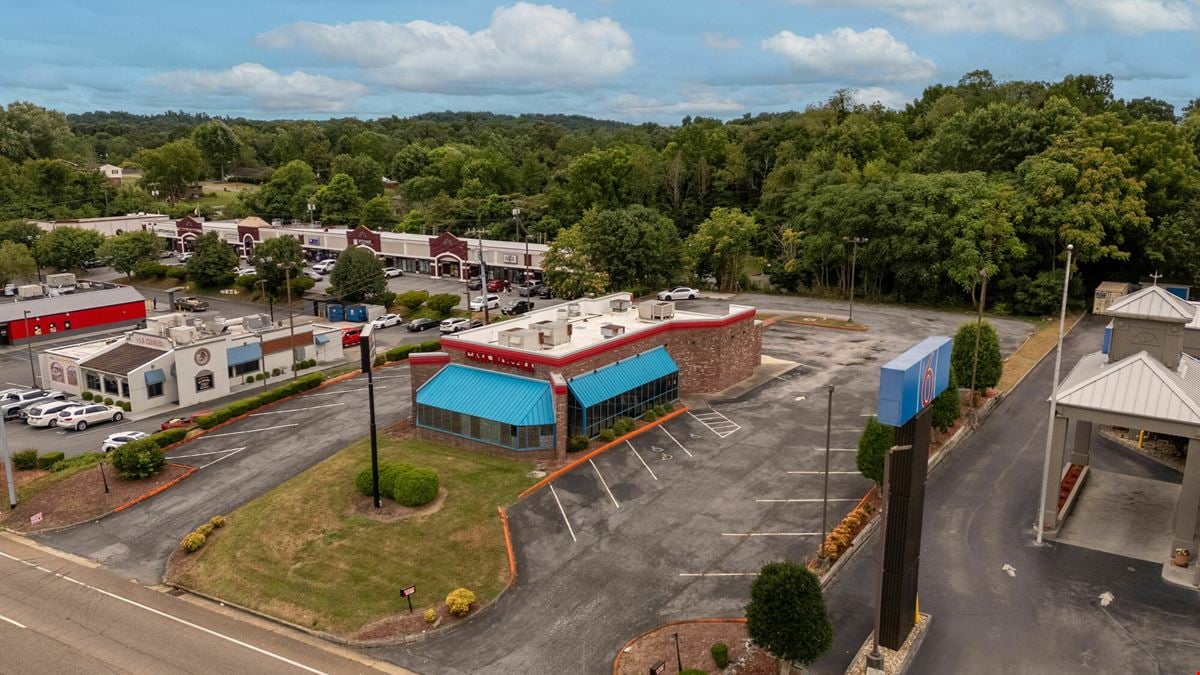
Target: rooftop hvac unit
(656,310)
(573,309)
(62,279)
(552,333)
(521,338)
(254,322)
(182,335)
(611,330)
(29,291)
(561,315)
(619,305)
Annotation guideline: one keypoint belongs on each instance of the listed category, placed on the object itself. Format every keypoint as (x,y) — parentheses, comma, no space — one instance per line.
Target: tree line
(976,175)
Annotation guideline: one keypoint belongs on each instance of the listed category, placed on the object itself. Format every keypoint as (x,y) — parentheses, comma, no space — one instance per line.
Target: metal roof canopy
(1153,303)
(504,398)
(1138,388)
(617,378)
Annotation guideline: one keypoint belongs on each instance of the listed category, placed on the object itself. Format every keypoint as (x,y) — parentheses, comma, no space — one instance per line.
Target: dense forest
(977,175)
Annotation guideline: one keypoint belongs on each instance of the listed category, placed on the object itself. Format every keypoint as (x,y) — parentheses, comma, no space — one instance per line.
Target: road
(61,616)
(237,463)
(979,515)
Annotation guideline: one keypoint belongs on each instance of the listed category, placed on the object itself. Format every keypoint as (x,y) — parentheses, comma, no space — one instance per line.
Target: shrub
(380,359)
(430,346)
(249,379)
(692,671)
(431,616)
(139,459)
(459,600)
(179,272)
(246,282)
(87,396)
(25,460)
(665,409)
(363,481)
(416,487)
(49,459)
(876,439)
(607,435)
(786,615)
(398,353)
(149,269)
(442,303)
(205,529)
(217,521)
(622,426)
(577,442)
(650,415)
(108,400)
(945,408)
(720,654)
(125,405)
(385,298)
(414,299)
(86,459)
(192,542)
(275,372)
(962,354)
(259,377)
(165,438)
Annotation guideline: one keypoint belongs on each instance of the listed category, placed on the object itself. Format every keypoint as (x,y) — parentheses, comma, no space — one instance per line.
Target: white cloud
(699,102)
(872,55)
(525,45)
(1137,16)
(271,90)
(715,41)
(886,97)
(1029,19)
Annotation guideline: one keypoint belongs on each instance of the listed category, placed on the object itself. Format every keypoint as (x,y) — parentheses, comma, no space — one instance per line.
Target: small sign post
(407,594)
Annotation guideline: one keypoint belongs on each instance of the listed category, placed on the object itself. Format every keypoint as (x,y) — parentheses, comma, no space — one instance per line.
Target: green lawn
(301,554)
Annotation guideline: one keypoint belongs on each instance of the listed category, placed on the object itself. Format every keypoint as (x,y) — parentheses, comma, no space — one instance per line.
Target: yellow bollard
(917,610)
(1141,433)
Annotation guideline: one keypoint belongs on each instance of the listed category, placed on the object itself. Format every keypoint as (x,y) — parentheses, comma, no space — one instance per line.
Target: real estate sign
(912,380)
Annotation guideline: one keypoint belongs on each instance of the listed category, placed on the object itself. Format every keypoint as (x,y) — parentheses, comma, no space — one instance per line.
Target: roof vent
(573,309)
(656,310)
(619,305)
(611,330)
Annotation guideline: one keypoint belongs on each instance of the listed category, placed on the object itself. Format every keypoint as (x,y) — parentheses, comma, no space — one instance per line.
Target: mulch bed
(181,561)
(695,642)
(401,625)
(390,510)
(81,498)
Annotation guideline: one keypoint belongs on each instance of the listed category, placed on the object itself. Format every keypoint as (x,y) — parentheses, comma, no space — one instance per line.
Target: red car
(497,285)
(182,422)
(351,337)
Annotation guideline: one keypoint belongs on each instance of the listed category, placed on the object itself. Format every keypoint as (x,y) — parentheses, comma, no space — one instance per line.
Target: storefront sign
(500,360)
(204,382)
(64,372)
(151,341)
(510,258)
(314,241)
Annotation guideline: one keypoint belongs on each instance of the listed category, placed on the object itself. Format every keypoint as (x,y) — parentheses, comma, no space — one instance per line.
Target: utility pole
(983,274)
(270,298)
(8,467)
(828,450)
(287,275)
(517,217)
(29,348)
(311,209)
(483,290)
(853,259)
(1062,320)
(367,364)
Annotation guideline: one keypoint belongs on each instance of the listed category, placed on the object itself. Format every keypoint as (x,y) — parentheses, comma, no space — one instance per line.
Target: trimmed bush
(363,481)
(607,435)
(459,601)
(125,405)
(259,377)
(217,521)
(87,396)
(416,487)
(249,379)
(25,460)
(720,654)
(962,355)
(786,615)
(398,353)
(622,426)
(108,400)
(945,408)
(165,438)
(577,442)
(140,459)
(413,299)
(49,459)
(430,346)
(205,529)
(650,415)
(192,542)
(431,616)
(275,372)
(380,359)
(442,303)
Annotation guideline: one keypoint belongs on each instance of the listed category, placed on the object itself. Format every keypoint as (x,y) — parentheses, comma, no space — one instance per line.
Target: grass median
(303,554)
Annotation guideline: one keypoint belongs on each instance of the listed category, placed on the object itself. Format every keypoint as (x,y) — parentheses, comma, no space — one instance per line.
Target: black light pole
(825,494)
(364,346)
(8,466)
(102,476)
(678,658)
(853,259)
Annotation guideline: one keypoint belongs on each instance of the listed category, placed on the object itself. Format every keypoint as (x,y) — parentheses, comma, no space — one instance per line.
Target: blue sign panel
(912,380)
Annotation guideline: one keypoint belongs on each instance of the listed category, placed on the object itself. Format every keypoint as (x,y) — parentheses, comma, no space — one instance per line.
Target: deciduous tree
(124,251)
(357,276)
(720,243)
(68,247)
(212,262)
(172,167)
(338,202)
(16,262)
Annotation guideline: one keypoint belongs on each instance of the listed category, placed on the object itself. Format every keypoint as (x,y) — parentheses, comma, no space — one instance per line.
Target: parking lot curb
(508,545)
(617,441)
(621,652)
(171,483)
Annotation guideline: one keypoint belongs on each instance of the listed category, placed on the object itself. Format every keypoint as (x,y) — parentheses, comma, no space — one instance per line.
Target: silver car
(13,403)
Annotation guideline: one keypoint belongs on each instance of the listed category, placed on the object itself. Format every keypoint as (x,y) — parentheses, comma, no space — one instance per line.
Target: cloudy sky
(633,60)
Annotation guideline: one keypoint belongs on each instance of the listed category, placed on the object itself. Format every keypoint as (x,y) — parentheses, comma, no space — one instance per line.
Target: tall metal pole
(825,494)
(983,273)
(8,467)
(853,260)
(29,348)
(365,350)
(1062,321)
(875,659)
(287,276)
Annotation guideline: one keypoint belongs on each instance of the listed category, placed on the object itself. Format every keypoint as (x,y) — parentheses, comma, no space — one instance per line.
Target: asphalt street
(237,463)
(675,524)
(60,616)
(1046,617)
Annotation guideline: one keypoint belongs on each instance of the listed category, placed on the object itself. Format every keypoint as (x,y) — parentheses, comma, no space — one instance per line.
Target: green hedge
(389,473)
(401,353)
(164,438)
(49,459)
(416,487)
(296,386)
(25,460)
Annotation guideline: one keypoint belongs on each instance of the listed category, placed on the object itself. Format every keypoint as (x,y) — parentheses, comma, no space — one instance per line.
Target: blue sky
(632,60)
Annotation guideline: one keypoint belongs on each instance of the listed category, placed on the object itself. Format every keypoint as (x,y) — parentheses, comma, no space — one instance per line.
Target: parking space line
(344,391)
(231,454)
(605,484)
(289,410)
(717,423)
(718,574)
(15,623)
(639,456)
(818,500)
(253,431)
(202,454)
(664,429)
(564,514)
(770,534)
(819,473)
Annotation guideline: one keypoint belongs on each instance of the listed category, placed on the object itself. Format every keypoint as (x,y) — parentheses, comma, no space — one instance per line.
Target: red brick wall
(496,451)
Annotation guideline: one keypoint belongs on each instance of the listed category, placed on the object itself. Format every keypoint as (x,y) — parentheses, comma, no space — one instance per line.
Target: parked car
(530,289)
(544,292)
(185,256)
(679,293)
(473,284)
(45,414)
(182,422)
(351,336)
(386,321)
(54,397)
(453,325)
(191,304)
(515,307)
(473,323)
(94,263)
(79,417)
(13,403)
(497,285)
(120,438)
(422,324)
(10,289)
(492,302)
(391,272)
(246,271)
(166,253)
(325,266)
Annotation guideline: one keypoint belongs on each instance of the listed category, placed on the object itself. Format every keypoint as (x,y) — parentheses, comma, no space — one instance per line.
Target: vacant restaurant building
(527,385)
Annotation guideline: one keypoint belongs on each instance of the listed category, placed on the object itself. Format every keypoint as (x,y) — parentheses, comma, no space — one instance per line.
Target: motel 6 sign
(910,382)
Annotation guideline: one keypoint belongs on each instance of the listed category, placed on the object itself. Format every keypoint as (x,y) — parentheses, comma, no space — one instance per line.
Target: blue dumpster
(356,313)
(335,312)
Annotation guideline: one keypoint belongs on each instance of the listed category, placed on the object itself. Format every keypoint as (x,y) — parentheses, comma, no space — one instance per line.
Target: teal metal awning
(508,399)
(247,353)
(617,378)
(321,339)
(155,376)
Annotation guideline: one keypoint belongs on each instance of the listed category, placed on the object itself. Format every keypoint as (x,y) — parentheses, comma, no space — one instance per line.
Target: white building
(113,173)
(187,360)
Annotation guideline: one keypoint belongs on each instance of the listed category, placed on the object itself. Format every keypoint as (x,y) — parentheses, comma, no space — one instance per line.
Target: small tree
(124,251)
(414,299)
(138,459)
(786,614)
(442,303)
(357,275)
(876,439)
(945,408)
(212,262)
(16,262)
(962,355)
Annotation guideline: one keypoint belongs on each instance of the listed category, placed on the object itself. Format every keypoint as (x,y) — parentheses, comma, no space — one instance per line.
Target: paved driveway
(237,463)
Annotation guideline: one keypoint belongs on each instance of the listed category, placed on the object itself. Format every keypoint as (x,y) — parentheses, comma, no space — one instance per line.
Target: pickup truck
(191,304)
(12,404)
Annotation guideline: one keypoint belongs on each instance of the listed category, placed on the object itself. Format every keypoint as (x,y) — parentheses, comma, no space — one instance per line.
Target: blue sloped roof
(617,378)
(509,399)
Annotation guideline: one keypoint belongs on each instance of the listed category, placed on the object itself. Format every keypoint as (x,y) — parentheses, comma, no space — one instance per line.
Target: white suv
(46,414)
(120,438)
(325,266)
(492,302)
(453,325)
(79,418)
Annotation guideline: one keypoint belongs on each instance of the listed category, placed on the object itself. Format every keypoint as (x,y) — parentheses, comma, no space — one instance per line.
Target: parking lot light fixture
(853,260)
(825,494)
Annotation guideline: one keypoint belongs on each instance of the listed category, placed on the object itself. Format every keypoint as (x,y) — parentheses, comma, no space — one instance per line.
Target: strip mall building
(525,386)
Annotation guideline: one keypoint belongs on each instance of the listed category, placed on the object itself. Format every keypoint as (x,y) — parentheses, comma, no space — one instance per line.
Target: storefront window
(93,381)
(154,390)
(633,403)
(110,385)
(243,368)
(485,430)
(125,388)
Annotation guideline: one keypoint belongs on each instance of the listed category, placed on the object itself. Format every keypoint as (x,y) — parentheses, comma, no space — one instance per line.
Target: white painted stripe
(165,615)
(564,514)
(344,391)
(605,484)
(231,454)
(18,624)
(689,454)
(252,431)
(789,501)
(832,473)
(639,456)
(718,574)
(202,454)
(291,410)
(843,449)
(770,534)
